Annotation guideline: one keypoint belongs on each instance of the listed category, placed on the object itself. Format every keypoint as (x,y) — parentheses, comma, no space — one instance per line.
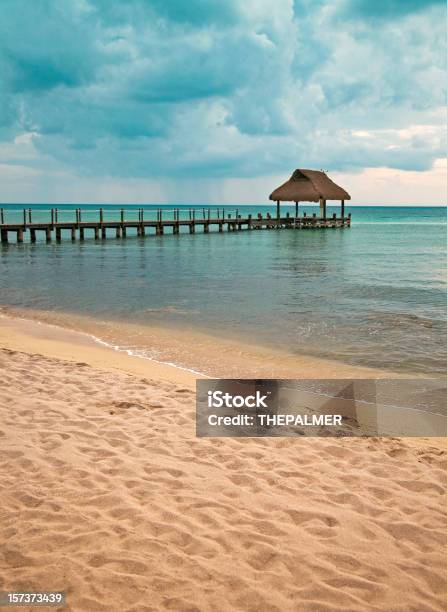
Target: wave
(141,354)
(397,319)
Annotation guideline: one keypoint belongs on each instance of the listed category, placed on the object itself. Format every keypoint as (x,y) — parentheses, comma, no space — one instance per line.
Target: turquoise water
(375,294)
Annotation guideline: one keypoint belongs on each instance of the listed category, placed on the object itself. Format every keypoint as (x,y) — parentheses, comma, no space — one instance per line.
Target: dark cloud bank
(207,88)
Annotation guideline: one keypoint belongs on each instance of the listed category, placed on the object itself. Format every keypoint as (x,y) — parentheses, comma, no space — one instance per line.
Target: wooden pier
(179,218)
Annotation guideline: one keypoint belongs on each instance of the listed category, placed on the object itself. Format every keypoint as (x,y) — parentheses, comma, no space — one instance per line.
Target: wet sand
(189,349)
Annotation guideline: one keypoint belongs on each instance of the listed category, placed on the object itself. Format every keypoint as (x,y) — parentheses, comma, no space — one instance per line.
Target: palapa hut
(309,186)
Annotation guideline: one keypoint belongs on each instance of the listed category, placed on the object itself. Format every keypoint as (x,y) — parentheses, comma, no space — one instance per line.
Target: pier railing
(28,216)
(77,221)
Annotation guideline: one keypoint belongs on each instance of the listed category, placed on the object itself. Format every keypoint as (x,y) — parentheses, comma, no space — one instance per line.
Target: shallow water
(373,295)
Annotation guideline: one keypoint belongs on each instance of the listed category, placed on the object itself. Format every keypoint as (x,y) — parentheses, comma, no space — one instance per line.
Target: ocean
(372,295)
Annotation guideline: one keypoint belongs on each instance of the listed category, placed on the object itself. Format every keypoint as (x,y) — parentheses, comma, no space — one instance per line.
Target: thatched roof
(309,186)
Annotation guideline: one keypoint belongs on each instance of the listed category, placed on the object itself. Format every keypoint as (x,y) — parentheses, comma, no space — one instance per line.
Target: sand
(108,495)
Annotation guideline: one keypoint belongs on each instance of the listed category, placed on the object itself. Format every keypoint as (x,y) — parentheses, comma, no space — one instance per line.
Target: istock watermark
(218,399)
(304,407)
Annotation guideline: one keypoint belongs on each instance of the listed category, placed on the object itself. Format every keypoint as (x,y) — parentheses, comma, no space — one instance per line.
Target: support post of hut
(277,209)
(296,210)
(342,209)
(323,208)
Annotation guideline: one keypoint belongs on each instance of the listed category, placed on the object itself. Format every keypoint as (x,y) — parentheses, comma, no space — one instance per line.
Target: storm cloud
(152,88)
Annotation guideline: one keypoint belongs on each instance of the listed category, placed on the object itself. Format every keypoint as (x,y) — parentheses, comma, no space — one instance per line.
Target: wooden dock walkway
(203,219)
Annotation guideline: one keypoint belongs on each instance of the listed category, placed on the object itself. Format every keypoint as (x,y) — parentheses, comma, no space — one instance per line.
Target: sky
(167,101)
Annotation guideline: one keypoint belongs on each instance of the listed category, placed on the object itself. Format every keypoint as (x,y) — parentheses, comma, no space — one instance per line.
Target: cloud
(386,9)
(159,89)
(44,46)
(194,12)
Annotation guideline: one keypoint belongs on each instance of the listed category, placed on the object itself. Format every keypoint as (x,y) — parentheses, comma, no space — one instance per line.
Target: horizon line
(207,205)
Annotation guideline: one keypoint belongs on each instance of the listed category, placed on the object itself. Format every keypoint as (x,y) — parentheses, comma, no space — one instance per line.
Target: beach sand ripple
(109,496)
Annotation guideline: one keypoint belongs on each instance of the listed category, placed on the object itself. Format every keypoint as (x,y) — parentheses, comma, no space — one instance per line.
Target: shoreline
(34,337)
(176,354)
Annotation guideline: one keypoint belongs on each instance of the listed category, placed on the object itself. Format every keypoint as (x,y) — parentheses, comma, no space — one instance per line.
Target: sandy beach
(223,306)
(109,496)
